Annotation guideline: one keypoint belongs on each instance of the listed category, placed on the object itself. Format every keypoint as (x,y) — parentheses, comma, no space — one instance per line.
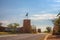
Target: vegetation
(4,33)
(33,29)
(0,24)
(48,29)
(56,22)
(39,30)
(13,26)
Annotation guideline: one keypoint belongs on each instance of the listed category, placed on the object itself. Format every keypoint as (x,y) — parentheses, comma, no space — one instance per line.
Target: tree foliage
(48,29)
(33,29)
(56,22)
(13,26)
(39,30)
(0,24)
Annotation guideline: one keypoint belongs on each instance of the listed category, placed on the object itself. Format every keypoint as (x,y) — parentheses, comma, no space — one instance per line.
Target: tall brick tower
(27,25)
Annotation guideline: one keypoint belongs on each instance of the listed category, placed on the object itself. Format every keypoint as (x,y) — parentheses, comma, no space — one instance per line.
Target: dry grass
(3,33)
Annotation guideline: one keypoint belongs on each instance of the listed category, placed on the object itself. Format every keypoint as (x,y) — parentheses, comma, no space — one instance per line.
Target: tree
(48,29)
(0,24)
(1,28)
(56,23)
(10,26)
(33,29)
(39,30)
(13,27)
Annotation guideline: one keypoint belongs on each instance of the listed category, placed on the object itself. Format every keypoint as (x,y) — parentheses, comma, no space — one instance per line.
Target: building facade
(27,26)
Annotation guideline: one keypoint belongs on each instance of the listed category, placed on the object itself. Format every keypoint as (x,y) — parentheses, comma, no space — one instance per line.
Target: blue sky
(41,12)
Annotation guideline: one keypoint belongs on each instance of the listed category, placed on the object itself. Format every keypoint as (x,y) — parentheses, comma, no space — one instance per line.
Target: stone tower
(27,26)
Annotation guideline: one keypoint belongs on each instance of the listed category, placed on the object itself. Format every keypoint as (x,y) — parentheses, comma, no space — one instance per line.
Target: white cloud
(5,22)
(9,20)
(43,16)
(56,0)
